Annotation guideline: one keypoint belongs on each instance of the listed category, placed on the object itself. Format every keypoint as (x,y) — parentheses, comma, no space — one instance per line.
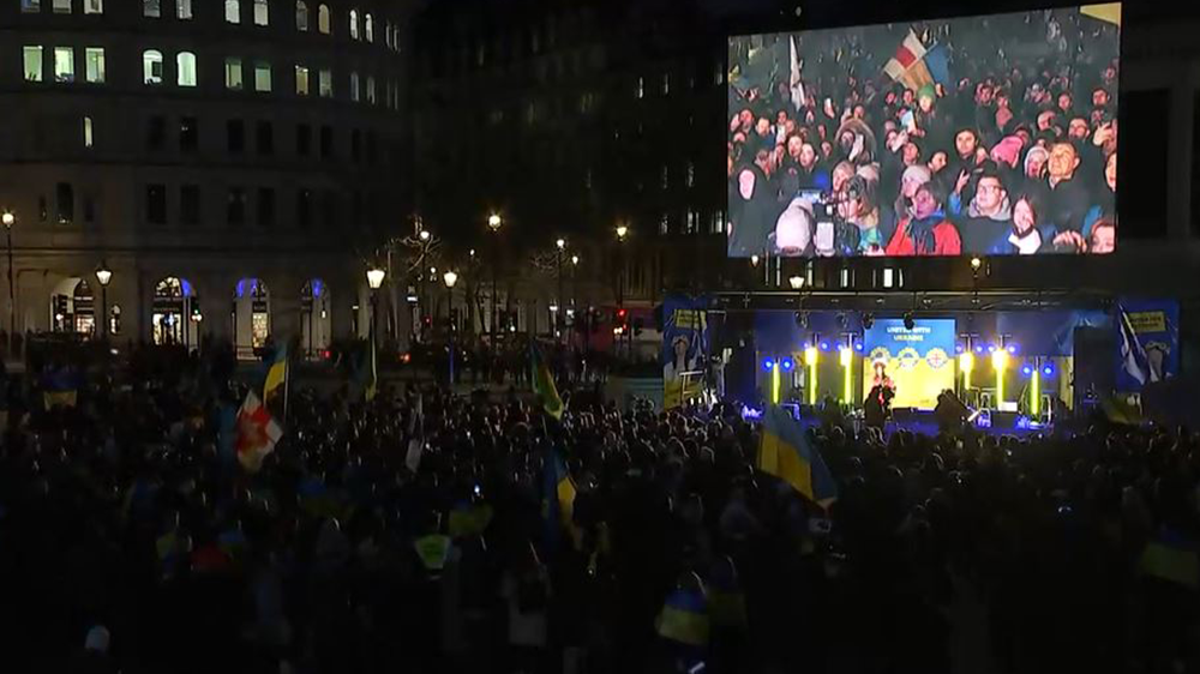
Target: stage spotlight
(991,348)
(867,321)
(1027,370)
(978,349)
(1048,371)
(858,346)
(824,346)
(768,364)
(1012,349)
(909,322)
(958,348)
(787,364)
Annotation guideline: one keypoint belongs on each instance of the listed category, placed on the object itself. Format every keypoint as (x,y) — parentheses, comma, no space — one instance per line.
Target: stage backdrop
(920,361)
(685,348)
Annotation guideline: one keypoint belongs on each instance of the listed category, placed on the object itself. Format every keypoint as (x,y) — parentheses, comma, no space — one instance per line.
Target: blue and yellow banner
(919,361)
(685,347)
(1147,334)
(786,453)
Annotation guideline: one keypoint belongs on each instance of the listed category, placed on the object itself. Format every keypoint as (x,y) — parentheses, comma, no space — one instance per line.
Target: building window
(93,6)
(265,136)
(717,223)
(262,76)
(183,10)
(156,204)
(301,16)
(304,199)
(666,84)
(354,87)
(303,140)
(370,90)
(369,27)
(233,73)
(156,132)
(235,211)
(664,224)
(719,74)
(189,205)
(189,134)
(235,136)
(233,11)
(691,174)
(152,8)
(89,139)
(64,65)
(33,63)
(665,177)
(323,19)
(93,65)
(395,30)
(31,6)
(266,207)
(641,87)
(262,13)
(185,69)
(301,81)
(354,24)
(64,201)
(325,83)
(152,66)
(326,142)
(43,211)
(62,6)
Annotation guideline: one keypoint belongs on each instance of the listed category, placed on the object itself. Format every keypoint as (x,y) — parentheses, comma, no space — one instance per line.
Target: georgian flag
(257,433)
(908,65)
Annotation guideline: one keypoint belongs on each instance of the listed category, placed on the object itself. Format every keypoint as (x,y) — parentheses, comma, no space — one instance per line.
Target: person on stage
(878,405)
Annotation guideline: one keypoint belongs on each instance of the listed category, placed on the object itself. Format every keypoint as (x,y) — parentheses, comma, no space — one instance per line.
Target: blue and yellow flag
(684,618)
(277,371)
(1172,559)
(60,388)
(786,453)
(543,383)
(558,499)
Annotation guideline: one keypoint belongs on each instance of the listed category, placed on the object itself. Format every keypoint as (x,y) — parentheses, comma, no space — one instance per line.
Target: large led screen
(993,135)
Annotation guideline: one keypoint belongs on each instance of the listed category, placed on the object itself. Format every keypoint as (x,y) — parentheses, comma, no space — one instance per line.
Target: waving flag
(543,383)
(257,433)
(1109,12)
(1134,360)
(908,65)
(277,371)
(795,83)
(787,454)
(558,500)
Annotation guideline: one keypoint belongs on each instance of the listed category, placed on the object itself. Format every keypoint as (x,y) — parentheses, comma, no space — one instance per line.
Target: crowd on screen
(129,541)
(1016,153)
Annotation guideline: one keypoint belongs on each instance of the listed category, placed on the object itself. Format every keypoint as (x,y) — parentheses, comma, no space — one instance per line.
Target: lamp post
(622,234)
(561,244)
(494,222)
(104,276)
(450,278)
(9,220)
(375,276)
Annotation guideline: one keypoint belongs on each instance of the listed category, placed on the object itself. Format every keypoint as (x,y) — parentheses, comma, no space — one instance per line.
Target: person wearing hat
(926,231)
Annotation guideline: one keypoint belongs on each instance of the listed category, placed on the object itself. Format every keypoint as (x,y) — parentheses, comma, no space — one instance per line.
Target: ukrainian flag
(60,389)
(786,453)
(1172,559)
(543,383)
(277,371)
(684,618)
(558,498)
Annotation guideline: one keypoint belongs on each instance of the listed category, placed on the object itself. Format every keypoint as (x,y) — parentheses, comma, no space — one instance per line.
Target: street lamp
(375,276)
(622,232)
(450,278)
(104,276)
(424,234)
(494,222)
(561,244)
(9,220)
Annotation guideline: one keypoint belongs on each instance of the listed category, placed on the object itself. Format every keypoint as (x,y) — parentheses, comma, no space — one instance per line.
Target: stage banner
(920,361)
(1147,333)
(685,348)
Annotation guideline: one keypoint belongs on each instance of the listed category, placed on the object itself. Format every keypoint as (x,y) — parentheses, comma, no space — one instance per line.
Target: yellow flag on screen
(1109,11)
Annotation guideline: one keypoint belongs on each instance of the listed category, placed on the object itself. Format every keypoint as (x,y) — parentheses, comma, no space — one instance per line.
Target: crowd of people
(132,541)
(1012,151)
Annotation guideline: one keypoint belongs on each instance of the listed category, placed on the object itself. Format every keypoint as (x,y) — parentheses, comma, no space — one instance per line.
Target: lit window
(301,81)
(666,177)
(64,64)
(325,83)
(664,224)
(233,11)
(354,87)
(666,84)
(88,139)
(387,34)
(152,8)
(93,58)
(31,6)
(152,66)
(62,6)
(691,174)
(233,73)
(693,222)
(262,13)
(369,28)
(185,65)
(354,24)
(301,16)
(33,63)
(370,90)
(323,19)
(641,87)
(889,276)
(183,10)
(262,76)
